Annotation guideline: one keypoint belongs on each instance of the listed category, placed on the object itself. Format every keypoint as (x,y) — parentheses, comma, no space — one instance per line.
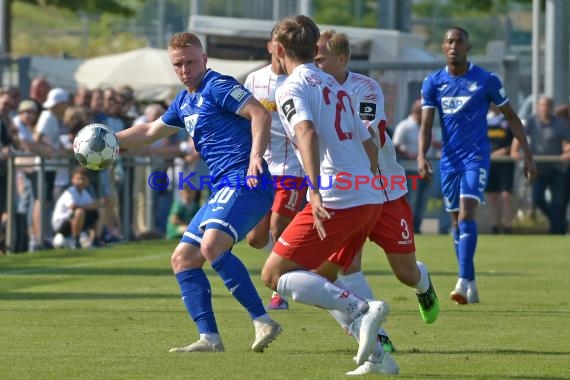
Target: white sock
(264,318)
(270,244)
(211,337)
(343,319)
(472,285)
(312,289)
(274,294)
(423,285)
(356,283)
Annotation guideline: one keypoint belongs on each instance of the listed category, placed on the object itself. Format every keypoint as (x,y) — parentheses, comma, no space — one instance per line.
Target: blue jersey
(221,136)
(463,102)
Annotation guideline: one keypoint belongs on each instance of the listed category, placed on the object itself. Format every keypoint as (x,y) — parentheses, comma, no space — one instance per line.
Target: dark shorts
(501,177)
(48,184)
(91,217)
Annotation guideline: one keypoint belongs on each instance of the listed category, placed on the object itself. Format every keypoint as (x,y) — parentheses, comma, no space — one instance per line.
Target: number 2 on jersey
(340,107)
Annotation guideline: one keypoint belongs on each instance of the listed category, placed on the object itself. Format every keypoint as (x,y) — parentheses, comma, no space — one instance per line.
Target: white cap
(56,96)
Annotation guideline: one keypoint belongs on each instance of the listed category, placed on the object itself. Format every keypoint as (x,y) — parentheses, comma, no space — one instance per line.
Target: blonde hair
(184,39)
(337,43)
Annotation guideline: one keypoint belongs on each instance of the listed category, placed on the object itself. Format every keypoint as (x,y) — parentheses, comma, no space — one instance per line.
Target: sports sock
(197,297)
(467,245)
(270,244)
(356,283)
(236,278)
(275,294)
(455,236)
(423,285)
(312,289)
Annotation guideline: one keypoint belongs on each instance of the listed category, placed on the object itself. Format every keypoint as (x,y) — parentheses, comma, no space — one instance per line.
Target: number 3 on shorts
(482,179)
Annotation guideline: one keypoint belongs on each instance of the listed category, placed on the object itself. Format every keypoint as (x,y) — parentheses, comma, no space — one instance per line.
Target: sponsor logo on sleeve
(502,92)
(367,111)
(238,93)
(288,109)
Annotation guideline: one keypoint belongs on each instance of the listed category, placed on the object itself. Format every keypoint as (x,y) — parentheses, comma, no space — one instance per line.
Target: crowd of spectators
(38,132)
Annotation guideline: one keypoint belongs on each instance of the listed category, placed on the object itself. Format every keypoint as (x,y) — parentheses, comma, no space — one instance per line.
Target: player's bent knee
(184,258)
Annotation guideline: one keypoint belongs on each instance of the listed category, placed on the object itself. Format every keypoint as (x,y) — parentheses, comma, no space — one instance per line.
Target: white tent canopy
(149,72)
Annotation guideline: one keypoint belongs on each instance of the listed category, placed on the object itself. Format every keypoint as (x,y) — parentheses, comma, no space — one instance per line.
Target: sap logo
(190,123)
(452,104)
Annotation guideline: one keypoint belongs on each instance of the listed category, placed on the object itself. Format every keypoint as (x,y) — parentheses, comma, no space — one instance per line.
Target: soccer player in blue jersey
(462,93)
(230,130)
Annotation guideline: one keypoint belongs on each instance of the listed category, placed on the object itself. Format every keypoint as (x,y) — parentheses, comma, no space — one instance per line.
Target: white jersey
(280,155)
(369,100)
(49,126)
(309,94)
(62,210)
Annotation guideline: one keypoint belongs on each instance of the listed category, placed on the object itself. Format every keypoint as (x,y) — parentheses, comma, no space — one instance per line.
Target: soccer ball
(96,146)
(58,241)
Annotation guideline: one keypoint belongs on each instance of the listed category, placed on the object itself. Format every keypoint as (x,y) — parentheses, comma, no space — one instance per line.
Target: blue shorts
(468,184)
(234,210)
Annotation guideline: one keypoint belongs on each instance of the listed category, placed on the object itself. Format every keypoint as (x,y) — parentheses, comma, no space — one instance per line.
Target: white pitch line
(80,265)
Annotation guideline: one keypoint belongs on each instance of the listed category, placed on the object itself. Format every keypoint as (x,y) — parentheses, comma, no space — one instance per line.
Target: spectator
(501,174)
(406,144)
(39,89)
(182,211)
(563,112)
(25,121)
(76,211)
(8,141)
(140,176)
(82,97)
(48,132)
(549,135)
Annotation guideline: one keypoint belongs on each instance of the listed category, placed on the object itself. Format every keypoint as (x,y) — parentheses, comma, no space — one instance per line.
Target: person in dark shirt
(501,173)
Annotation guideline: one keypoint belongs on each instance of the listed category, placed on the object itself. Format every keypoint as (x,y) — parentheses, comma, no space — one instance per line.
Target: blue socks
(455,236)
(466,248)
(237,280)
(197,297)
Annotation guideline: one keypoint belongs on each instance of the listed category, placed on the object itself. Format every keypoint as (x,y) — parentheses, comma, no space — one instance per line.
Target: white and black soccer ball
(96,146)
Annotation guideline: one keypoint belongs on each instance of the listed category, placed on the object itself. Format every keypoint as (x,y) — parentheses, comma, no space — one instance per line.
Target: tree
(117,7)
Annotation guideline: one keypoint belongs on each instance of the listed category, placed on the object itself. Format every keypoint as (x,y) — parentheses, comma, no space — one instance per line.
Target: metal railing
(521,192)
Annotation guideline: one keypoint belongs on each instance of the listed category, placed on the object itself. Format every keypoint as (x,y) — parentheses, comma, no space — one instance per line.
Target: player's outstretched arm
(260,129)
(517,129)
(144,134)
(424,140)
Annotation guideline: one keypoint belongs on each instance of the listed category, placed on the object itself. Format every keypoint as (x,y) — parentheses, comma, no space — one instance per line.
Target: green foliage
(89,6)
(55,31)
(483,19)
(113,314)
(361,13)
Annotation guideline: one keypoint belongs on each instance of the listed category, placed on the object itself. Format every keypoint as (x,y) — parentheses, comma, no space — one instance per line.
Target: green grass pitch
(113,313)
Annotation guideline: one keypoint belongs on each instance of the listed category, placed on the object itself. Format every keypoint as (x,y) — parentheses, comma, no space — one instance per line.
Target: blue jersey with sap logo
(463,102)
(220,135)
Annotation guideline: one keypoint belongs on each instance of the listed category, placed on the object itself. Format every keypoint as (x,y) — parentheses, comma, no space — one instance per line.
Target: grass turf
(113,314)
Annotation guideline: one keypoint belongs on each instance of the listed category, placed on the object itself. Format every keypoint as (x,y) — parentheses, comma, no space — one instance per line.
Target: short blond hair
(184,39)
(337,43)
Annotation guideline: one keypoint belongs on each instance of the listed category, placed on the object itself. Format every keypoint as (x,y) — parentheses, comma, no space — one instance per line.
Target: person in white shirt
(334,148)
(406,135)
(283,164)
(393,230)
(76,210)
(48,132)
